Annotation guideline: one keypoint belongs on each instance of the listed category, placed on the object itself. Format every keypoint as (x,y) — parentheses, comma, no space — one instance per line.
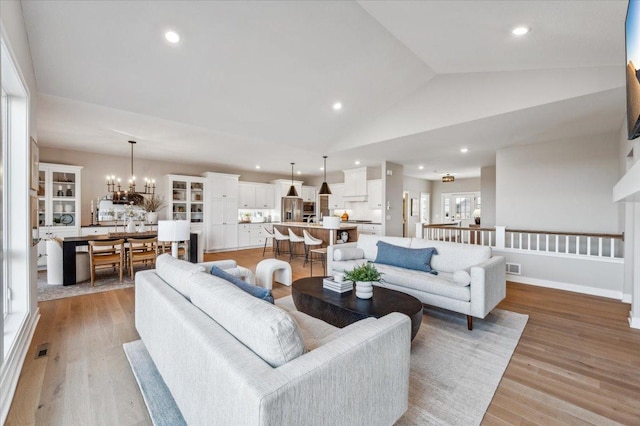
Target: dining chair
(104,254)
(142,250)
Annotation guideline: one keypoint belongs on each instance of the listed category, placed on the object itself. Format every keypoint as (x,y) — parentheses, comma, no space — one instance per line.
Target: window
(459,206)
(4,118)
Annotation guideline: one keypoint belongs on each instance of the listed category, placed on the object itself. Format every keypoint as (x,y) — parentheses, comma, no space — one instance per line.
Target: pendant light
(292,191)
(324,189)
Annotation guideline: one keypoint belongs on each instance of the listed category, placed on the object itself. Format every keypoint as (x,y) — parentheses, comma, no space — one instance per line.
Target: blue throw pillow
(259,292)
(416,259)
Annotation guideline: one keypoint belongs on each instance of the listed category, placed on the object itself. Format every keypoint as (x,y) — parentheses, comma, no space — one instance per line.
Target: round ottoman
(266,269)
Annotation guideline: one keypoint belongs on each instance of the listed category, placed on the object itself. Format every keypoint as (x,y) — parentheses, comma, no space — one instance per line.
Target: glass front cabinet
(59,201)
(186,199)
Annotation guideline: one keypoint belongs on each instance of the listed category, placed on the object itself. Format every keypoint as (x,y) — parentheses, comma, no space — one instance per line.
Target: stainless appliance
(308,209)
(291,209)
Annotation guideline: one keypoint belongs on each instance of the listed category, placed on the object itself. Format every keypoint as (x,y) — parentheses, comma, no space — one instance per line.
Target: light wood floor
(578,362)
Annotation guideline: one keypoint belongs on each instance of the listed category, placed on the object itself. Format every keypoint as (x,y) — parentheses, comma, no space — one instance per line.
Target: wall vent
(513,268)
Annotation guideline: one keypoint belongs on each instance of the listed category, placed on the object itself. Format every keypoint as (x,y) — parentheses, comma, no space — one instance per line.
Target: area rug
(105,281)
(454,372)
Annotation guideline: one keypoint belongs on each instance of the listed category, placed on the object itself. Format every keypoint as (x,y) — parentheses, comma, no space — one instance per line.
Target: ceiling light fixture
(324,188)
(172,37)
(292,190)
(337,106)
(131,195)
(257,166)
(520,31)
(420,167)
(464,150)
(357,162)
(448,178)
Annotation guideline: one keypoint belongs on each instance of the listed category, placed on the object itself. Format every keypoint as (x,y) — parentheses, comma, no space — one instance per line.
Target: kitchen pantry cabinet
(221,195)
(309,194)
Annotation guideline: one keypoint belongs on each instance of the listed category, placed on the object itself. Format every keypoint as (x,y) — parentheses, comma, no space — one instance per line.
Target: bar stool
(293,240)
(267,237)
(309,241)
(279,236)
(322,255)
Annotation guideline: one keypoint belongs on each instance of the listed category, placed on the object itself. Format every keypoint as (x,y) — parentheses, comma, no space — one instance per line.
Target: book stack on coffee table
(338,287)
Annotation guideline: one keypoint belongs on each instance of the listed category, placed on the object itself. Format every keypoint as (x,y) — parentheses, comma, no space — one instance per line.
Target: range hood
(355,184)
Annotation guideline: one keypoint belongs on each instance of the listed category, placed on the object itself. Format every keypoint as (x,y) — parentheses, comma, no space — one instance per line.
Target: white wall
(488,194)
(439,187)
(392,187)
(559,186)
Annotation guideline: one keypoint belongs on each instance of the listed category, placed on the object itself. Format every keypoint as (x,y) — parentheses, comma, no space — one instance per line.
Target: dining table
(70,245)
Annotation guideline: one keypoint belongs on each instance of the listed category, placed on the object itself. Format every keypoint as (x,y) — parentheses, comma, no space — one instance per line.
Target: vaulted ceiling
(253,83)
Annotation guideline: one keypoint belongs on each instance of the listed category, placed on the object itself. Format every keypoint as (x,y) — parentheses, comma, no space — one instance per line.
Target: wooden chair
(142,250)
(104,254)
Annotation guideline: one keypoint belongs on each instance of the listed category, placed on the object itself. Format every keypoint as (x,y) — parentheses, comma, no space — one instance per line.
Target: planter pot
(152,217)
(364,289)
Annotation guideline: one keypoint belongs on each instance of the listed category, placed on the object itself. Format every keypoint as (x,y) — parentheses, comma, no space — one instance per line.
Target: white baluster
(600,246)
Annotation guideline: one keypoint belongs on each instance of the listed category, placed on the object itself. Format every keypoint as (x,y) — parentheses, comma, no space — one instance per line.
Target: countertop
(315,225)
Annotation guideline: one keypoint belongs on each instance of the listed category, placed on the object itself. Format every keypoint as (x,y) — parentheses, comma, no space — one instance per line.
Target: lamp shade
(292,192)
(173,230)
(476,213)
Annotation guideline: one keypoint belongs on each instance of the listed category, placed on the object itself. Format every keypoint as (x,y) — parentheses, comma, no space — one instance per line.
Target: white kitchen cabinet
(255,196)
(244,235)
(186,199)
(221,227)
(252,234)
(246,195)
(281,188)
(374,191)
(309,193)
(265,196)
(222,237)
(370,229)
(355,183)
(336,201)
(222,185)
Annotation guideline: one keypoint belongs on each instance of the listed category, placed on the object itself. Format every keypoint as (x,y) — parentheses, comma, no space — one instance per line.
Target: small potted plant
(152,205)
(364,276)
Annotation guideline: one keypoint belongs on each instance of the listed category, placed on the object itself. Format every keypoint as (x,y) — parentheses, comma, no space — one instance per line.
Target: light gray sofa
(229,358)
(475,296)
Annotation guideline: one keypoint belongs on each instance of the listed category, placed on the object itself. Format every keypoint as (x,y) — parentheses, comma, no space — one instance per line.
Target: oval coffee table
(342,309)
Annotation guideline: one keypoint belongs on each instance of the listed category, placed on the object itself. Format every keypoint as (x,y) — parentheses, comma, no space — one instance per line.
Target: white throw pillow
(348,253)
(462,277)
(176,272)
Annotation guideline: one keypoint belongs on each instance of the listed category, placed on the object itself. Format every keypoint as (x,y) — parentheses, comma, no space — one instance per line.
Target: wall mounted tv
(632,34)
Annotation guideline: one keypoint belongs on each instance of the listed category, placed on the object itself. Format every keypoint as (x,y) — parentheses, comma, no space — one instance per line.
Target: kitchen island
(328,236)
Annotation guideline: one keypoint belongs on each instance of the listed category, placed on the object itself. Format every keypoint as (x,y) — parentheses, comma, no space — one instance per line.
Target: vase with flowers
(152,206)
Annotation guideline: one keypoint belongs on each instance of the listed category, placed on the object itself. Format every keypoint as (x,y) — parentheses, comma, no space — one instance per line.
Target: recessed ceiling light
(464,150)
(172,37)
(357,162)
(299,172)
(520,31)
(321,168)
(421,167)
(258,166)
(337,106)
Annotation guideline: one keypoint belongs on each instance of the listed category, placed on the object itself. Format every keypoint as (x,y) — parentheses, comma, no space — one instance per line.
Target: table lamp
(174,231)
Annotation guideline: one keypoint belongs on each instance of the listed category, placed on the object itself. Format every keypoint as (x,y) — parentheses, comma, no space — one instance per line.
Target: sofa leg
(469,322)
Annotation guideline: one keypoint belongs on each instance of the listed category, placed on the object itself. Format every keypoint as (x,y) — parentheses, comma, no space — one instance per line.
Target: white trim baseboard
(634,322)
(12,366)
(576,288)
(626,298)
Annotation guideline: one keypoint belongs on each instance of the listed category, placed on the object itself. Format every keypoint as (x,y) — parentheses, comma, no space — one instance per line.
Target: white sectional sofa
(470,280)
(229,358)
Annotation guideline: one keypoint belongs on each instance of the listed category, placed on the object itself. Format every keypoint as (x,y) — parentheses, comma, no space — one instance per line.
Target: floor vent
(513,268)
(42,350)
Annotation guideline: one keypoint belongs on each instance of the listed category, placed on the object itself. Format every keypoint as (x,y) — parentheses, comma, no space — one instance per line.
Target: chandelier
(129,195)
